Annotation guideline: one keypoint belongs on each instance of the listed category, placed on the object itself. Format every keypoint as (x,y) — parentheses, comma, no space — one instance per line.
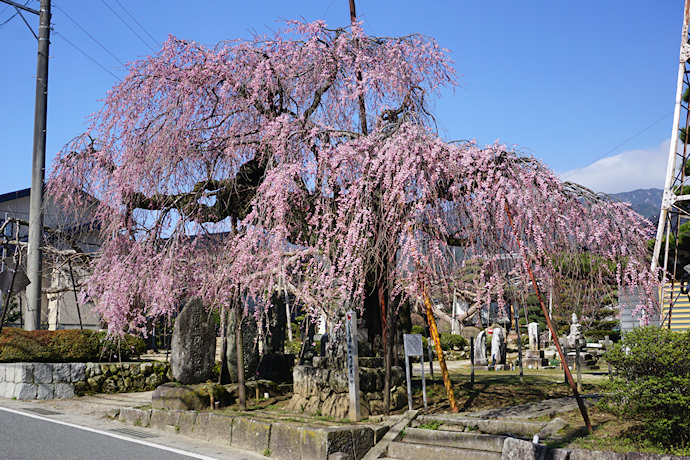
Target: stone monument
(321,384)
(480,358)
(534,357)
(576,338)
(576,343)
(193,345)
(498,348)
(533,333)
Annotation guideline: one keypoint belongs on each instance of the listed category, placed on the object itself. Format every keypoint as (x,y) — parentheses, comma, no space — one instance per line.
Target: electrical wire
(137,22)
(616,147)
(128,26)
(327,9)
(89,35)
(55,32)
(364,15)
(11,17)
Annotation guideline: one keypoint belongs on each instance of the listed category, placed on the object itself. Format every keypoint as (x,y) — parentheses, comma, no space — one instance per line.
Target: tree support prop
(439,351)
(544,310)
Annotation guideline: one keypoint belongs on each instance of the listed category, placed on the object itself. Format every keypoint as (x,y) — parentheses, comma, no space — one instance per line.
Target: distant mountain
(646,202)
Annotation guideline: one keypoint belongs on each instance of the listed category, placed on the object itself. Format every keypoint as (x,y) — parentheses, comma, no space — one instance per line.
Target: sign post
(413,347)
(353,365)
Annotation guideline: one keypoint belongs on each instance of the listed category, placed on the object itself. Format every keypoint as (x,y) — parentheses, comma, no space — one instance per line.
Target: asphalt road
(28,432)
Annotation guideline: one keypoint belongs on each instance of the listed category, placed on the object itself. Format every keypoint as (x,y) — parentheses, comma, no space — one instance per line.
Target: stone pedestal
(587,361)
(534,359)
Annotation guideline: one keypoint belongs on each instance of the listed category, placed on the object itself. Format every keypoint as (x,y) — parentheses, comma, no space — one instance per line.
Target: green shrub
(17,345)
(115,348)
(652,384)
(416,329)
(450,341)
(614,336)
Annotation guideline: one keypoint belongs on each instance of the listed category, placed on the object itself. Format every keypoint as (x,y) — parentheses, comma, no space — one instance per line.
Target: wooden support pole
(441,360)
(549,323)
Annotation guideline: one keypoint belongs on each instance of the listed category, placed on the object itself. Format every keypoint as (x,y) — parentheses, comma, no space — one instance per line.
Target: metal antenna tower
(675,206)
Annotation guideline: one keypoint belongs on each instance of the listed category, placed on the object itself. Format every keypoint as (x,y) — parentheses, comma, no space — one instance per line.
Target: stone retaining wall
(283,441)
(64,380)
(276,439)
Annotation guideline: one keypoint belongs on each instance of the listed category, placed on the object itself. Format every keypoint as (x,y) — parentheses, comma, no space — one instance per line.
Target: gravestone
(534,357)
(250,349)
(498,347)
(193,345)
(533,332)
(480,358)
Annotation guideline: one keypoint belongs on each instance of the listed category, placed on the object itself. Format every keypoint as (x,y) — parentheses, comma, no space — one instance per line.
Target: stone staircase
(419,443)
(453,436)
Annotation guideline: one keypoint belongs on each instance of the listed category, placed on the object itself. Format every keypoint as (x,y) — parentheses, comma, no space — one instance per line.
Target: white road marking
(112,435)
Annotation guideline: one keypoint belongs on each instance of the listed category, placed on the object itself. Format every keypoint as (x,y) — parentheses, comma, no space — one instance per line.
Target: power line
(137,22)
(90,36)
(128,26)
(11,17)
(86,55)
(8,20)
(616,147)
(327,9)
(364,15)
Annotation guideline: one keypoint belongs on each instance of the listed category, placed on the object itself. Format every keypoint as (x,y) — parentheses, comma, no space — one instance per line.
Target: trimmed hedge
(18,345)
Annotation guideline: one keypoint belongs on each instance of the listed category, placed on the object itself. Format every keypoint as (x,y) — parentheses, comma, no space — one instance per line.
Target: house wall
(59,307)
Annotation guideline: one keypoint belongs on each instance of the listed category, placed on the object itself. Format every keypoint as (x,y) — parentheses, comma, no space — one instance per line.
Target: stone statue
(498,346)
(576,338)
(533,332)
(480,350)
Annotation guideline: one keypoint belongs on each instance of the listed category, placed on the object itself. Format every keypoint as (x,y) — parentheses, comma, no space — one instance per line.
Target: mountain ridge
(646,202)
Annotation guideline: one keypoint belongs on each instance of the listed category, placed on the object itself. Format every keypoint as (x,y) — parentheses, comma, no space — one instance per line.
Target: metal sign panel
(413,344)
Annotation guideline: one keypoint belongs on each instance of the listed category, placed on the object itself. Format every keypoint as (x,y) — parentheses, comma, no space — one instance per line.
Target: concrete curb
(281,440)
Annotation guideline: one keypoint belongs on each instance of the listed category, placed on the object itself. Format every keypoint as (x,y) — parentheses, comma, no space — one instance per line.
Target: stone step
(470,441)
(410,451)
(512,427)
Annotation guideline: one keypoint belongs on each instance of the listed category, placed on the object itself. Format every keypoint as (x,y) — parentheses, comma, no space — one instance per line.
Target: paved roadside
(99,405)
(94,414)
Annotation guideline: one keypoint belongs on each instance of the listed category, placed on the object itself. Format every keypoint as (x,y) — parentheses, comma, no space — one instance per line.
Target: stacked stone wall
(65,380)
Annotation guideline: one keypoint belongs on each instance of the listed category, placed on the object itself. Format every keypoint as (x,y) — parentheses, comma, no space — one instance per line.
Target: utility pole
(35,256)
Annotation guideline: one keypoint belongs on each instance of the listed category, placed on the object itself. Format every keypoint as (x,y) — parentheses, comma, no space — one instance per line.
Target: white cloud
(631,170)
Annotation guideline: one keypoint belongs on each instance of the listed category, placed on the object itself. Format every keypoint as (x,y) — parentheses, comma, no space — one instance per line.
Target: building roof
(15,195)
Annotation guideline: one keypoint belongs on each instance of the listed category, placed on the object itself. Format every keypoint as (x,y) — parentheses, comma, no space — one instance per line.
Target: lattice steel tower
(675,206)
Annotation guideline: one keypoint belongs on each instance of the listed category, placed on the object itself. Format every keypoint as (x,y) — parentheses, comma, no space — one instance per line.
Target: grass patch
(430,425)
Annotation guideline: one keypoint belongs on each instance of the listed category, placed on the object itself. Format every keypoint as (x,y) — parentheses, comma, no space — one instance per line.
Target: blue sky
(567,82)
